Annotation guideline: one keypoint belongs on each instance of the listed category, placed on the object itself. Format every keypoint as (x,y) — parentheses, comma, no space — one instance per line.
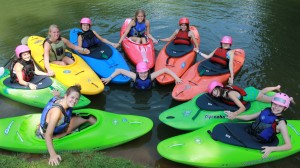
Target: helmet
(142,67)
(213,85)
(86,20)
(227,39)
(184,20)
(281,99)
(20,49)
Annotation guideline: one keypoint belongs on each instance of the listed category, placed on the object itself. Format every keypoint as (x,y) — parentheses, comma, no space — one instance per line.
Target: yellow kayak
(77,73)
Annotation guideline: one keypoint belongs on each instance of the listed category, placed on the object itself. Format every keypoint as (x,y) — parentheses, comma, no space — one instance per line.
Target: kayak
(103,59)
(18,133)
(77,73)
(199,149)
(37,98)
(193,83)
(137,52)
(188,116)
(177,58)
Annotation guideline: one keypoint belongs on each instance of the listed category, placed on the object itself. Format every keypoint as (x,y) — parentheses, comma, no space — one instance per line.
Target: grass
(82,160)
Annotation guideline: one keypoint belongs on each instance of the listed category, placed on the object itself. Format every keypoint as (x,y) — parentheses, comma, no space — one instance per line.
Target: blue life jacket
(264,127)
(138,30)
(67,114)
(143,84)
(89,39)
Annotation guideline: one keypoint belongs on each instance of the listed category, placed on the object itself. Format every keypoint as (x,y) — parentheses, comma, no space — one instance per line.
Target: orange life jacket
(182,37)
(220,57)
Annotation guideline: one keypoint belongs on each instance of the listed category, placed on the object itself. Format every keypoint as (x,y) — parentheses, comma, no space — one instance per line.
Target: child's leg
(268,89)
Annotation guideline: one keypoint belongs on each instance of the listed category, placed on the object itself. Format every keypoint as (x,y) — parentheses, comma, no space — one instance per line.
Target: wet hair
(74,88)
(138,12)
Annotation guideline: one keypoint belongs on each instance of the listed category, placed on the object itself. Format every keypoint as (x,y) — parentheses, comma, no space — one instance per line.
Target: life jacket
(220,57)
(182,37)
(138,30)
(264,127)
(27,71)
(57,51)
(89,39)
(143,84)
(67,116)
(234,88)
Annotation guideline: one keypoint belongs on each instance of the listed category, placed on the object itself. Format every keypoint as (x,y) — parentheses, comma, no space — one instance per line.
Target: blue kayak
(103,59)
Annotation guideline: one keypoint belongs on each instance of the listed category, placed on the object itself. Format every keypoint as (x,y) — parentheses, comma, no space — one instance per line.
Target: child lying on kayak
(142,79)
(23,69)
(268,123)
(234,95)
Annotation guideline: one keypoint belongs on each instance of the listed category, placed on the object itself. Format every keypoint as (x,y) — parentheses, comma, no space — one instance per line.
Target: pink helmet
(281,99)
(20,49)
(184,20)
(226,39)
(86,20)
(142,67)
(213,85)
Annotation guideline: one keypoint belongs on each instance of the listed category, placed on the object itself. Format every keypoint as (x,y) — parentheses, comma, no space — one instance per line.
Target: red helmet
(184,20)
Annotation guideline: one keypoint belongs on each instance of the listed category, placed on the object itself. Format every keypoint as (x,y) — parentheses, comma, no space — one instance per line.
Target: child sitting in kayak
(23,69)
(138,29)
(142,78)
(183,35)
(57,120)
(54,49)
(223,55)
(88,38)
(234,95)
(268,123)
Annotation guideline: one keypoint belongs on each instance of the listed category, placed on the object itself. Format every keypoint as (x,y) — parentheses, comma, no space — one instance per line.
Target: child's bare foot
(278,87)
(292,100)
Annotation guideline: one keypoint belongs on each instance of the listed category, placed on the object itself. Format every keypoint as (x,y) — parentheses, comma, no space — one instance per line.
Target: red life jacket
(220,57)
(182,37)
(234,88)
(27,71)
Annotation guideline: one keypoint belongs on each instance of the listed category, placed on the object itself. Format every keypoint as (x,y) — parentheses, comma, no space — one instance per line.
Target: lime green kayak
(18,133)
(197,148)
(40,96)
(188,116)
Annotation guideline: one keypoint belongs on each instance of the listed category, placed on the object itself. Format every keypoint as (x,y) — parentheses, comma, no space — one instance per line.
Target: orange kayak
(193,83)
(137,52)
(178,64)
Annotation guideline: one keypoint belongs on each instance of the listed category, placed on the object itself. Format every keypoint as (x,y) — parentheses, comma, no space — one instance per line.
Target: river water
(268,31)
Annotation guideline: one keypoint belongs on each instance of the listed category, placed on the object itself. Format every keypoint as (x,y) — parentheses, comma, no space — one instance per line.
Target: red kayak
(137,52)
(193,83)
(177,58)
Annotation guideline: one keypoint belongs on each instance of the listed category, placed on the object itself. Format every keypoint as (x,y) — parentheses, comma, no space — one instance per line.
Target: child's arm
(116,73)
(168,71)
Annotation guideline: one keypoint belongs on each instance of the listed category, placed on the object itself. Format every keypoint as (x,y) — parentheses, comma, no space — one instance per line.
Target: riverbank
(84,159)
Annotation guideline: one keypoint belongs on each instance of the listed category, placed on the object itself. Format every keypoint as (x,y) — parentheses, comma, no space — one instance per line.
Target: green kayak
(188,116)
(197,148)
(18,133)
(37,98)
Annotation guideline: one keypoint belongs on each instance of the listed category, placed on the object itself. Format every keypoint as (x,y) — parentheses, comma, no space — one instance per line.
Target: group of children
(23,70)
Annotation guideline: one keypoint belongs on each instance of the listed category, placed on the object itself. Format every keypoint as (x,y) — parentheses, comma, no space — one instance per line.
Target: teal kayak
(188,116)
(197,148)
(37,98)
(18,133)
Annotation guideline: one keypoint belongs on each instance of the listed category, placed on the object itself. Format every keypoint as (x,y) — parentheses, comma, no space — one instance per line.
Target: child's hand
(106,80)
(178,81)
(56,93)
(230,115)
